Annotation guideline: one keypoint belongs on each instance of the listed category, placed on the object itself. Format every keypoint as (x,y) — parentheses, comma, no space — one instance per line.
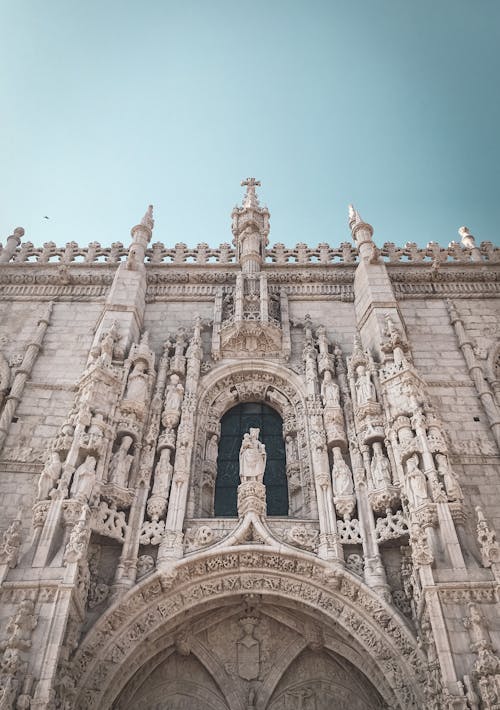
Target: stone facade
(119,586)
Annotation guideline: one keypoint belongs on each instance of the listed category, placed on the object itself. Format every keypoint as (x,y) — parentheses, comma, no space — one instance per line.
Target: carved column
(22,374)
(171,544)
(476,372)
(13,241)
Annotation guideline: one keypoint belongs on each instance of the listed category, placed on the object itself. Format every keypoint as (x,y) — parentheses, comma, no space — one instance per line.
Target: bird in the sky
(45,217)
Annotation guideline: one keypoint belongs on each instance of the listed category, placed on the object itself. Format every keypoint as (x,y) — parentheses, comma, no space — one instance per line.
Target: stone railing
(435,253)
(277,255)
(302,254)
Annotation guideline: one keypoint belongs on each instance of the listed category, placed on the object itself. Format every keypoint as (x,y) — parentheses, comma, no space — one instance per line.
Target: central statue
(252,458)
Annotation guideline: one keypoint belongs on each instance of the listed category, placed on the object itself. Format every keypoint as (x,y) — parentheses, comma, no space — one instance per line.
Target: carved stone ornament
(11,542)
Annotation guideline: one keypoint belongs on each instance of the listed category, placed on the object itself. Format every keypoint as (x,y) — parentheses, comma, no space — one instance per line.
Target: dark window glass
(234,425)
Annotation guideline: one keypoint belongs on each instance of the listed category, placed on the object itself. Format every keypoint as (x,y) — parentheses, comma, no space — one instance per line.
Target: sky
(109,105)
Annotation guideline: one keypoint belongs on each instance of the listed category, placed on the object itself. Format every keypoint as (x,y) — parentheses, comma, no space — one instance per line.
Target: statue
(252,457)
(365,391)
(341,476)
(450,482)
(310,364)
(163,474)
(76,543)
(329,391)
(83,480)
(290,449)
(212,449)
(94,436)
(21,625)
(137,388)
(104,351)
(121,462)
(174,393)
(49,476)
(417,482)
(380,467)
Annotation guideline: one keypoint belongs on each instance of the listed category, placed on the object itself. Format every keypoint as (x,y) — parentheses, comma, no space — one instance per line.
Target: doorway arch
(327,609)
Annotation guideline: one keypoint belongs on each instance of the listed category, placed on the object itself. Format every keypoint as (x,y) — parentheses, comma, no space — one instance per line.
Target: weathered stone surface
(118,585)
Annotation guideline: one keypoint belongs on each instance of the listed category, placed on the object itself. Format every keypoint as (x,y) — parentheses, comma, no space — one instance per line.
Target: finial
(354,217)
(147,220)
(250,199)
(361,231)
(468,239)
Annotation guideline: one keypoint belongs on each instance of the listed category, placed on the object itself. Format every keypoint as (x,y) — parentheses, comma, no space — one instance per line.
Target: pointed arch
(139,625)
(270,383)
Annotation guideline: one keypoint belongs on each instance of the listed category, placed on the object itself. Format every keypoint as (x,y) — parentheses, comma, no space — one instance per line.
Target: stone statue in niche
(21,626)
(83,480)
(95,434)
(173,400)
(121,461)
(380,467)
(291,449)
(104,352)
(341,475)
(212,449)
(163,474)
(310,370)
(227,306)
(417,482)
(477,628)
(137,387)
(450,482)
(365,391)
(252,457)
(329,391)
(49,476)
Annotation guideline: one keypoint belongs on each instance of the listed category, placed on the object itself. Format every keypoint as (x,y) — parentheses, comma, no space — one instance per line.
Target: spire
(469,242)
(250,200)
(141,234)
(250,229)
(354,217)
(467,239)
(147,220)
(361,231)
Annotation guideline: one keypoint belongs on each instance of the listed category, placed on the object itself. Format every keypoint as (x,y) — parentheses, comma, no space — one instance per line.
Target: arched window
(234,424)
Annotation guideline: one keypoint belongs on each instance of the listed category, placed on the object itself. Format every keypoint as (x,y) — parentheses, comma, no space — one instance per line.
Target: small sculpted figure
(21,626)
(252,457)
(121,461)
(163,474)
(417,482)
(84,479)
(329,391)
(341,476)
(380,467)
(174,394)
(290,449)
(450,482)
(212,449)
(95,431)
(476,626)
(365,391)
(49,476)
(137,388)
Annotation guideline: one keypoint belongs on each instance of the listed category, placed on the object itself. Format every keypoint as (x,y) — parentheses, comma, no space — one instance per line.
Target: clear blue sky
(109,105)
